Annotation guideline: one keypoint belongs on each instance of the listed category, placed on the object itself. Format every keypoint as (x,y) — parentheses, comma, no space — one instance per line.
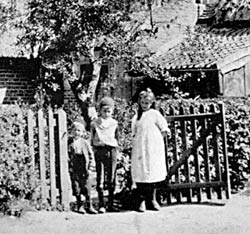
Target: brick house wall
(18,75)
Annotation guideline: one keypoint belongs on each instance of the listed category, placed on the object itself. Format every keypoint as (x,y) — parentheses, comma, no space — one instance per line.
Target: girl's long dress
(148,163)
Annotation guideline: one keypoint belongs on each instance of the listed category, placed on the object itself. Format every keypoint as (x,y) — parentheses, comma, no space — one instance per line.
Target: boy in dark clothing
(81,166)
(104,132)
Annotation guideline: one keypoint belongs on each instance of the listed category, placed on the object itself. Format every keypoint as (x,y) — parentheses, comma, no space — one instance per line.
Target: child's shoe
(92,210)
(102,210)
(155,205)
(81,210)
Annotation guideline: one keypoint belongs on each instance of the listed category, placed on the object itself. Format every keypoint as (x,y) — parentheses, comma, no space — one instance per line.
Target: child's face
(106,112)
(145,103)
(78,131)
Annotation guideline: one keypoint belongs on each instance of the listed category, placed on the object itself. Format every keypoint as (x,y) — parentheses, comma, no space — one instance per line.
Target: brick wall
(18,75)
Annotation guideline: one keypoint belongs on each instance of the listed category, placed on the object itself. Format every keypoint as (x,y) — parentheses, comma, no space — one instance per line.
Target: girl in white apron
(148,160)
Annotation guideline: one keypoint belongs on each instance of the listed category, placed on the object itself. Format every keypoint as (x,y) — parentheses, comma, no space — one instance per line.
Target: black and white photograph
(124,116)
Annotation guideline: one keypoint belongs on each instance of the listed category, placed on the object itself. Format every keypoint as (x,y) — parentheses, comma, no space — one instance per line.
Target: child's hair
(81,123)
(145,94)
(106,102)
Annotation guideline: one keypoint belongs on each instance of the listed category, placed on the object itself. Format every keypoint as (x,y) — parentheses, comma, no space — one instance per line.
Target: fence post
(41,154)
(51,123)
(224,146)
(31,137)
(216,155)
(63,158)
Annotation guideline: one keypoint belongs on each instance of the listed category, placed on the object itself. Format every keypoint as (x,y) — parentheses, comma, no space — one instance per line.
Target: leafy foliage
(233,11)
(17,177)
(5,15)
(63,33)
(60,28)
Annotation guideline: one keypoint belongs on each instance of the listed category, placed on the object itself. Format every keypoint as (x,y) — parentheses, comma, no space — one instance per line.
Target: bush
(17,177)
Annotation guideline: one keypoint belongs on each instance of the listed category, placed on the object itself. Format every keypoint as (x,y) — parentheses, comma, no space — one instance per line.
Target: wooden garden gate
(48,144)
(196,156)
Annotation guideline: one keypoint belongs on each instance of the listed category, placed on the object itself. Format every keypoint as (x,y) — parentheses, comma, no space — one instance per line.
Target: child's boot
(101,203)
(111,207)
(80,207)
(90,208)
(155,205)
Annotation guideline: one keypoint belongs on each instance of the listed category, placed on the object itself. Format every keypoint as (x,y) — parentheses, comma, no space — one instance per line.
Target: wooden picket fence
(47,138)
(196,156)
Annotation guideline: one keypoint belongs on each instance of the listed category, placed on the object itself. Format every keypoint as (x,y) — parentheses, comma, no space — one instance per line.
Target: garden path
(224,217)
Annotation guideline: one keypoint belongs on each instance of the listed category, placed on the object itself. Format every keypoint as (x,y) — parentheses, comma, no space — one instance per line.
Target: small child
(81,165)
(104,132)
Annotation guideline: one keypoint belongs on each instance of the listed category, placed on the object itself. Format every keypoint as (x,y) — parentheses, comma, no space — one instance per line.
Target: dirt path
(224,217)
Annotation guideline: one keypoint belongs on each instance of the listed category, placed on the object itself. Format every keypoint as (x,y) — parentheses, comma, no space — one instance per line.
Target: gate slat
(175,153)
(224,148)
(216,153)
(184,147)
(169,200)
(31,136)
(196,154)
(51,123)
(63,154)
(206,155)
(41,136)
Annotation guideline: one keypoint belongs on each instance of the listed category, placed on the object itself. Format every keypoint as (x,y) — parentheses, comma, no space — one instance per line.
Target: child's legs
(99,170)
(145,191)
(142,190)
(100,175)
(110,166)
(87,189)
(76,186)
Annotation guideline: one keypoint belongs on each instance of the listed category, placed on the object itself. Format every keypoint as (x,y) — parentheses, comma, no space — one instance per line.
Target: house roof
(207,49)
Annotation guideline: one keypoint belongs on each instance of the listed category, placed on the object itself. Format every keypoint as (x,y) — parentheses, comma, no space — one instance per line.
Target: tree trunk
(85,95)
(97,65)
(87,107)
